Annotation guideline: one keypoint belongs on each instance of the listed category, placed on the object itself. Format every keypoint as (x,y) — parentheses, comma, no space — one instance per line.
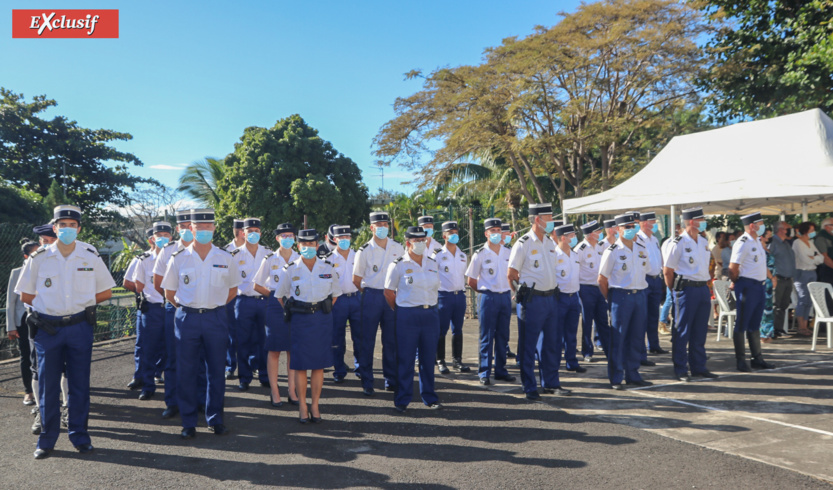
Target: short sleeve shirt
(415,285)
(654,253)
(689,257)
(751,256)
(64,285)
(534,260)
(144,275)
(248,266)
(269,273)
(452,268)
(309,286)
(490,269)
(161,265)
(625,268)
(201,283)
(344,269)
(567,270)
(589,258)
(372,262)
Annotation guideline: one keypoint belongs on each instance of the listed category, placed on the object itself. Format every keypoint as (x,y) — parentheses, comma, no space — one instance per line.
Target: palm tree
(200,179)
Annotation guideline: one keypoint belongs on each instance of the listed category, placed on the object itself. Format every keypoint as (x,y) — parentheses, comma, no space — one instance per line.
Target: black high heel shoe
(276,405)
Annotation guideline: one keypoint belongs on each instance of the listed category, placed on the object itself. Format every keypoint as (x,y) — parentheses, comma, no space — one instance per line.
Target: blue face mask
(701,226)
(67,235)
(344,244)
(204,236)
(812,234)
(616,235)
(655,228)
(429,232)
(507,239)
(253,237)
(161,241)
(550,226)
(381,233)
(453,239)
(573,242)
(630,233)
(761,229)
(494,238)
(307,252)
(186,235)
(287,242)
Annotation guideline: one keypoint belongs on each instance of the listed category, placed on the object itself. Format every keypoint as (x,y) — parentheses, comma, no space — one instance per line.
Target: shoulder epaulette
(267,248)
(364,246)
(171,243)
(432,258)
(144,255)
(269,255)
(400,259)
(582,246)
(438,250)
(743,239)
(92,251)
(226,251)
(678,238)
(286,266)
(612,247)
(328,262)
(40,250)
(234,252)
(523,238)
(643,246)
(178,252)
(328,254)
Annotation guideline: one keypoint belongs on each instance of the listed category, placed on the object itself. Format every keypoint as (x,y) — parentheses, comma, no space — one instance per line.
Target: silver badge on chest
(48,282)
(375,268)
(243,273)
(297,290)
(276,278)
(186,279)
(535,264)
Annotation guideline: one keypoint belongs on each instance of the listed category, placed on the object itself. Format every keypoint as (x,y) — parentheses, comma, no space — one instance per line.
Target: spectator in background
(726,253)
(783,258)
(824,244)
(807,258)
(767,330)
(665,311)
(721,241)
(16,327)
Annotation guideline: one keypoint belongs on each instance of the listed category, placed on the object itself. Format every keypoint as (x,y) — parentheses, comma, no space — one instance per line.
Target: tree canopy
(282,173)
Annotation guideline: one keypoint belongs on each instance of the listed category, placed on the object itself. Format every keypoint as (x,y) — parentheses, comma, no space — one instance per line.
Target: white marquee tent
(782,165)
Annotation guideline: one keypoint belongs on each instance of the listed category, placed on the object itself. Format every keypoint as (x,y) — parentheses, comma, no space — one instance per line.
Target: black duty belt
(537,292)
(454,292)
(303,307)
(350,295)
(188,309)
(420,307)
(258,297)
(489,291)
(693,284)
(652,277)
(627,291)
(63,321)
(562,293)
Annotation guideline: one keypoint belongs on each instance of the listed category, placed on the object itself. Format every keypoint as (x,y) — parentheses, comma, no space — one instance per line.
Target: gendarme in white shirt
(534,260)
(372,262)
(452,268)
(490,269)
(201,283)
(750,255)
(625,268)
(415,285)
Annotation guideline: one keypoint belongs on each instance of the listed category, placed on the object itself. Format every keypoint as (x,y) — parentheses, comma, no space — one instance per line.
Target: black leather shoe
(460,367)
(134,384)
(759,363)
(705,374)
(170,412)
(218,429)
(389,388)
(685,378)
(578,369)
(369,392)
(42,453)
(229,375)
(508,378)
(557,391)
(658,351)
(485,381)
(640,382)
(619,387)
(533,395)
(443,368)
(264,384)
(743,367)
(243,386)
(145,395)
(510,354)
(188,433)
(400,408)
(85,448)
(338,380)
(647,363)
(159,380)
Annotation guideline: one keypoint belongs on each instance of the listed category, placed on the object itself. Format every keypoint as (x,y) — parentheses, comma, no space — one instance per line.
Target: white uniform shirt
(415,285)
(130,273)
(309,286)
(161,266)
(201,283)
(534,260)
(589,258)
(344,269)
(231,247)
(372,262)
(751,256)
(452,269)
(269,273)
(567,270)
(490,269)
(144,275)
(689,258)
(248,266)
(806,258)
(625,268)
(654,252)
(64,286)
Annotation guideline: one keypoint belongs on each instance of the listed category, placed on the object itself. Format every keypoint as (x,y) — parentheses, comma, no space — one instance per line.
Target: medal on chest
(186,279)
(48,282)
(491,271)
(691,260)
(243,273)
(276,278)
(375,268)
(563,273)
(410,280)
(297,290)
(446,269)
(535,264)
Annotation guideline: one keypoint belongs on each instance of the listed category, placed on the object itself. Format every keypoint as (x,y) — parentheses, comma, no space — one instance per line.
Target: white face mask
(418,247)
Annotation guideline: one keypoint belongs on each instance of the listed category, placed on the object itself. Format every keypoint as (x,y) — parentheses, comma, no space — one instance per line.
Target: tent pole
(803,210)
(673,219)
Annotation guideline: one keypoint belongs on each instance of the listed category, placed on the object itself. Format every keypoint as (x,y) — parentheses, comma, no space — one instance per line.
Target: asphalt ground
(737,431)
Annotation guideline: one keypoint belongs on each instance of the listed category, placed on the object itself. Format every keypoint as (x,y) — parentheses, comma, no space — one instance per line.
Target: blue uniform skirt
(277,330)
(312,339)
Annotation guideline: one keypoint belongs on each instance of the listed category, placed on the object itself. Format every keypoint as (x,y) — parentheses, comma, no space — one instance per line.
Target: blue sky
(186,78)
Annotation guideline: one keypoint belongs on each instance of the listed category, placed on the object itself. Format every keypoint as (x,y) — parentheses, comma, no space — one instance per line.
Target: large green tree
(287,171)
(21,206)
(770,57)
(36,151)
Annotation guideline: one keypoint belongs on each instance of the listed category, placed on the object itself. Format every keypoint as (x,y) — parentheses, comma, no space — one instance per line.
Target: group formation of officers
(206,312)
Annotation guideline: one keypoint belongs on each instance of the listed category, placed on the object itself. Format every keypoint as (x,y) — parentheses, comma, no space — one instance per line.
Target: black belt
(685,283)
(536,292)
(488,291)
(349,295)
(303,307)
(562,293)
(188,309)
(753,280)
(454,292)
(652,277)
(627,291)
(420,307)
(258,297)
(63,321)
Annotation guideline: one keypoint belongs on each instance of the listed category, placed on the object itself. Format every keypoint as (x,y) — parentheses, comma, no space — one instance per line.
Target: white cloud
(167,167)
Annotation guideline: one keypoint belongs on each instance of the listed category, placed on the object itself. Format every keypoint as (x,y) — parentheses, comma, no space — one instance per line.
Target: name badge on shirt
(222,266)
(85,269)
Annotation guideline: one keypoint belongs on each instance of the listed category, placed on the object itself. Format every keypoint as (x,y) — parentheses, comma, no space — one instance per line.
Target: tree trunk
(521,178)
(535,182)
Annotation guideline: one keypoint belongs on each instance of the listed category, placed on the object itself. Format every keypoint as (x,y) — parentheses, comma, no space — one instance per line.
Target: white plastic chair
(793,303)
(817,290)
(721,292)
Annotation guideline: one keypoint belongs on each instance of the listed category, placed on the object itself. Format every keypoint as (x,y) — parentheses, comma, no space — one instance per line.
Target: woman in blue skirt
(308,287)
(277,331)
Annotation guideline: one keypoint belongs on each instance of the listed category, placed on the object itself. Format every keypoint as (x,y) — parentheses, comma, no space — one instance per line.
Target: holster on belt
(288,303)
(522,293)
(327,304)
(35,323)
(90,314)
(142,303)
(678,282)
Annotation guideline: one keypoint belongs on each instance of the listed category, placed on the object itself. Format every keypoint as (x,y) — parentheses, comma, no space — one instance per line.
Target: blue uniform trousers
(593,312)
(137,350)
(250,313)
(170,364)
(375,311)
(195,332)
(750,296)
(495,312)
(416,328)
(627,312)
(452,310)
(691,322)
(654,296)
(539,316)
(569,310)
(347,308)
(231,354)
(152,331)
(70,350)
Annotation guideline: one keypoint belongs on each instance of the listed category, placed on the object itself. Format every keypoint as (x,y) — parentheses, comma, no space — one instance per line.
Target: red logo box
(65,24)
